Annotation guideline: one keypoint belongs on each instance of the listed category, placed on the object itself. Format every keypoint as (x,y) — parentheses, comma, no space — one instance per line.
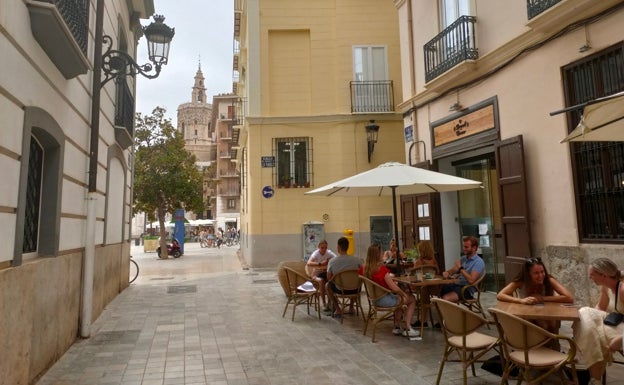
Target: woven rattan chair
(460,328)
(349,281)
(424,291)
(296,296)
(376,313)
(473,303)
(524,347)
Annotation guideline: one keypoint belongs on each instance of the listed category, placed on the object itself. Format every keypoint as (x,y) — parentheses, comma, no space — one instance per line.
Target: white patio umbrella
(603,120)
(395,178)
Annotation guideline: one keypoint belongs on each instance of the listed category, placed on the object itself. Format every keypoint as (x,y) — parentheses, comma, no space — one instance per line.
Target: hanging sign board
(467,125)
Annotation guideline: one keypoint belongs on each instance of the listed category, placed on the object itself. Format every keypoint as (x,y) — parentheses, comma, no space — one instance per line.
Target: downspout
(89,255)
(410,40)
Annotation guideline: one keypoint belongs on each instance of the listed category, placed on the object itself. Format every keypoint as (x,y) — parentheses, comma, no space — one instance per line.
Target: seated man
(336,265)
(317,267)
(468,268)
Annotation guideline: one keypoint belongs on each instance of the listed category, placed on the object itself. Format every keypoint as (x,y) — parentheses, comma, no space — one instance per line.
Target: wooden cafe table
(546,311)
(414,281)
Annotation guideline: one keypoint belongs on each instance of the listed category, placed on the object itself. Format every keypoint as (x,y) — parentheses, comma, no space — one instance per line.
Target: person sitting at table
(534,285)
(375,270)
(317,268)
(392,256)
(596,340)
(426,258)
(336,265)
(468,269)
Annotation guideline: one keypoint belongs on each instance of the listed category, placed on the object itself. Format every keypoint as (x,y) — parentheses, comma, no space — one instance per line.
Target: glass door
(479,215)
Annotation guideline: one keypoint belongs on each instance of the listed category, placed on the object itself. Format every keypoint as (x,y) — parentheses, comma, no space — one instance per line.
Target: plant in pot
(285,181)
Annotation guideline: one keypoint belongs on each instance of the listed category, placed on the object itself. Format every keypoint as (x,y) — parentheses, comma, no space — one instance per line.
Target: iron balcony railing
(241,111)
(75,13)
(535,7)
(372,96)
(457,43)
(124,107)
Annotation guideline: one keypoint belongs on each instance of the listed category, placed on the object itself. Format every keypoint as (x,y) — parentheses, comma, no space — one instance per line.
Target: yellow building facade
(311,76)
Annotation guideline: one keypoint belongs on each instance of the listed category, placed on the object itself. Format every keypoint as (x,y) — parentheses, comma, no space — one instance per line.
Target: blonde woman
(426,256)
(595,339)
(375,270)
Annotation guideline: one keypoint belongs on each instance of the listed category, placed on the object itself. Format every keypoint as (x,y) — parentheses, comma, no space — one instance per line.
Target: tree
(165,174)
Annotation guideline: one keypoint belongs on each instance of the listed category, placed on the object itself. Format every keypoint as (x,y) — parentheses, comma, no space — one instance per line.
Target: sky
(204,30)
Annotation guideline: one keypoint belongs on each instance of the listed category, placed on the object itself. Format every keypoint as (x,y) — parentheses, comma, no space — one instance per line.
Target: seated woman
(375,270)
(426,258)
(391,256)
(534,285)
(595,340)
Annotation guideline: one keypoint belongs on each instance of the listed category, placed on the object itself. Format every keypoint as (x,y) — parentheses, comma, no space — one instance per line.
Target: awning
(602,120)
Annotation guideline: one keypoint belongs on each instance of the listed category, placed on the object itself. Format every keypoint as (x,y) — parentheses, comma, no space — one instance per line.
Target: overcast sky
(203,30)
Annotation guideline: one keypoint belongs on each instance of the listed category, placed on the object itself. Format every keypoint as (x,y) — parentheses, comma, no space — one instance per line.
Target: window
(33,197)
(294,162)
(598,167)
(231,204)
(369,63)
(451,10)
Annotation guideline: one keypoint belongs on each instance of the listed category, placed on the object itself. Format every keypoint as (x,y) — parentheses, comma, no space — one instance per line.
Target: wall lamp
(118,64)
(371,137)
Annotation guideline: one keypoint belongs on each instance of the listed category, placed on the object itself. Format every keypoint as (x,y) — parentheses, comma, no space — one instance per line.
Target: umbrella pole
(396,231)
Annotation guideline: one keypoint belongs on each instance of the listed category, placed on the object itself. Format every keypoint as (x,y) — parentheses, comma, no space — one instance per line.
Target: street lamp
(372,130)
(117,64)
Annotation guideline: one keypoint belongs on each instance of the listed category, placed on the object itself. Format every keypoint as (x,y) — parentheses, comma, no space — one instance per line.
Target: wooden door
(514,204)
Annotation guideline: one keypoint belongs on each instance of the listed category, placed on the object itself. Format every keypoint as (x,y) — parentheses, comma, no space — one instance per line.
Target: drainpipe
(410,40)
(89,255)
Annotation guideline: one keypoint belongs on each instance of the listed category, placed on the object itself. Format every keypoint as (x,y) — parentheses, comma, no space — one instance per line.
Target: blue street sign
(267,191)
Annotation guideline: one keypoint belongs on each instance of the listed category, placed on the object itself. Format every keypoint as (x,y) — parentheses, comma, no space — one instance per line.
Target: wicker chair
(524,347)
(474,303)
(296,296)
(349,281)
(376,313)
(460,328)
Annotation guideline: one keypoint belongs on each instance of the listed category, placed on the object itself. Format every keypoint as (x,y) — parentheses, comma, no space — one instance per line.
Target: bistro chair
(460,327)
(525,347)
(351,285)
(376,314)
(419,292)
(301,290)
(474,303)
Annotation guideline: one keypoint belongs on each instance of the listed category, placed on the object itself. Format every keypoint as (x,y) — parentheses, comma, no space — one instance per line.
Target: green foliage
(165,174)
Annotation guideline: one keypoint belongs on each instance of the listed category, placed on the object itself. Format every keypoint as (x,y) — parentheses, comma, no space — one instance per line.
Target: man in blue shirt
(469,268)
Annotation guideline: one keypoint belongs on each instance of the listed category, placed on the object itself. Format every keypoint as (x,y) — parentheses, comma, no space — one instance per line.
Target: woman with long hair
(426,256)
(375,270)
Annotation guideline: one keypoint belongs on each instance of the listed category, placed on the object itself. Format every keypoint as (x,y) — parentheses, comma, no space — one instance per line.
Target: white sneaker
(396,331)
(411,333)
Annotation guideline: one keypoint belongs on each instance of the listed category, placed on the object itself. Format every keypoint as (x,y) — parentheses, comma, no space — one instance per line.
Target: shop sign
(464,126)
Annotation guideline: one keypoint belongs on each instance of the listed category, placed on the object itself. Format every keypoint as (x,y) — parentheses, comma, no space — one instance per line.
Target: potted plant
(150,243)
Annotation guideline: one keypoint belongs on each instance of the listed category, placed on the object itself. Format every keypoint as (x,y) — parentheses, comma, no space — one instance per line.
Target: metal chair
(524,347)
(460,328)
(297,296)
(376,314)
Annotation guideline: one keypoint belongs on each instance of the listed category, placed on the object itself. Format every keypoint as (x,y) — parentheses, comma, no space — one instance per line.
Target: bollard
(348,233)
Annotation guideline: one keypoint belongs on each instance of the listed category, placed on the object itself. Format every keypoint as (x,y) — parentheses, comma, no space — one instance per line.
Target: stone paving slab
(228,330)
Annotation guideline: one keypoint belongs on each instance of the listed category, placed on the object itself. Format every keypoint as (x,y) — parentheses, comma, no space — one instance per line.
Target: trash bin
(137,241)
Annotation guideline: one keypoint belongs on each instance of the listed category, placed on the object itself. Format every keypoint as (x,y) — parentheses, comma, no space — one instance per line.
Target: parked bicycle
(134,270)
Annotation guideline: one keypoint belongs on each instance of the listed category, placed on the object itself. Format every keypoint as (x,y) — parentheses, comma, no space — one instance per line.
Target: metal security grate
(116,337)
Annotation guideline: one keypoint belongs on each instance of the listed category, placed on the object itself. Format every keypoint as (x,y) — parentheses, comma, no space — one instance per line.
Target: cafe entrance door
(479,215)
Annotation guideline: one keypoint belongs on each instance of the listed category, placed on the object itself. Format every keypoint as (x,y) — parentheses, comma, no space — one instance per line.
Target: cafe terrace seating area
(446,355)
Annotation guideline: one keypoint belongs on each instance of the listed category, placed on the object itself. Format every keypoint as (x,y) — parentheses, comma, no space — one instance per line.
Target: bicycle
(134,270)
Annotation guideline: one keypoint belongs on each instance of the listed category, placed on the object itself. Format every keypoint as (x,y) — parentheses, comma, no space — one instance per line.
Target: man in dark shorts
(317,267)
(468,268)
(336,265)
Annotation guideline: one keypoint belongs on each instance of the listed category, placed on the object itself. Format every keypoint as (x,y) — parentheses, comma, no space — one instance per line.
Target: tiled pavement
(195,320)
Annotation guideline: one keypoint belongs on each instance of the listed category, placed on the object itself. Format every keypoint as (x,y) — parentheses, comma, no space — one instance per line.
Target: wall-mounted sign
(267,191)
(467,125)
(409,134)
(267,161)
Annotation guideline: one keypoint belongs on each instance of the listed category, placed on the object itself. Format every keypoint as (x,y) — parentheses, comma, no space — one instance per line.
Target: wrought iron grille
(372,96)
(598,166)
(33,197)
(457,43)
(75,13)
(535,7)
(124,106)
(240,111)
(293,162)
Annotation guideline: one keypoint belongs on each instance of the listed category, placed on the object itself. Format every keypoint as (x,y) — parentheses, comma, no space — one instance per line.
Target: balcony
(372,96)
(535,7)
(225,155)
(124,114)
(456,44)
(241,112)
(61,27)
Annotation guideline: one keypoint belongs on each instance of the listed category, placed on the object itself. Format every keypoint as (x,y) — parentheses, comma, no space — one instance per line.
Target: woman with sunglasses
(534,286)
(594,337)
